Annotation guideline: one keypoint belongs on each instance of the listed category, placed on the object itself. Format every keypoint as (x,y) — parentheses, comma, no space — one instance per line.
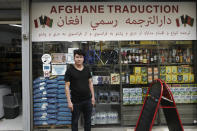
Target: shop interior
(122,73)
(10,77)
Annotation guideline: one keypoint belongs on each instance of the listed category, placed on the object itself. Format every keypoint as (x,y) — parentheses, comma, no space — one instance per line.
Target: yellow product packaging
(174,79)
(191,77)
(174,69)
(137,70)
(185,78)
(138,79)
(168,78)
(168,69)
(132,79)
(162,70)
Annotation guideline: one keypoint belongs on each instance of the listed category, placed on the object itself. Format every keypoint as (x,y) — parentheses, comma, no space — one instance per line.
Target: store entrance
(10,77)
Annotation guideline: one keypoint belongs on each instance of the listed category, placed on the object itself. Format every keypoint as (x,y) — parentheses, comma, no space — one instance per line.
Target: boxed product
(132,79)
(138,79)
(185,78)
(174,79)
(126,100)
(163,77)
(168,69)
(174,69)
(150,79)
(194,99)
(180,78)
(115,78)
(168,78)
(162,70)
(156,71)
(144,70)
(193,90)
(144,79)
(150,71)
(137,70)
(186,69)
(180,69)
(132,92)
(191,77)
(156,76)
(126,92)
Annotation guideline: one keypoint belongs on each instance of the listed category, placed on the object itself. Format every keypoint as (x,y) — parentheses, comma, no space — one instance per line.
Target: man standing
(79,80)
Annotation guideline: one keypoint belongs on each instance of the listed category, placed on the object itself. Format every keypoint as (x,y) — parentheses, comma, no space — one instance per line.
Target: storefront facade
(127,44)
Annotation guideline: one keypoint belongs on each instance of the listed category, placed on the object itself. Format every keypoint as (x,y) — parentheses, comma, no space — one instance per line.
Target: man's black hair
(79,52)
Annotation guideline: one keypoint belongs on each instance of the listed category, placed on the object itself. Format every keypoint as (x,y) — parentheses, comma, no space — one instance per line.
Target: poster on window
(58,58)
(59,69)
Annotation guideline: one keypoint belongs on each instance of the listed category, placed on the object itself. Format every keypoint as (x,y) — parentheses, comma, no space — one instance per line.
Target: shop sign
(93,21)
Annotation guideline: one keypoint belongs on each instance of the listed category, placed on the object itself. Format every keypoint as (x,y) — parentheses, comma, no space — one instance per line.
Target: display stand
(159,96)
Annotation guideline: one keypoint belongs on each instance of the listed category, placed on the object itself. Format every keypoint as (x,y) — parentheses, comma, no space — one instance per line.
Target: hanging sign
(93,21)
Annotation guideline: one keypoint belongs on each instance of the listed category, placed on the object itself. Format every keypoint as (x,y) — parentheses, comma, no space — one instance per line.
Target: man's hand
(70,106)
(93,101)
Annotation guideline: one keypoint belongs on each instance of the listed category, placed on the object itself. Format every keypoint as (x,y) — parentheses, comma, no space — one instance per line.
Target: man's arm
(92,91)
(67,92)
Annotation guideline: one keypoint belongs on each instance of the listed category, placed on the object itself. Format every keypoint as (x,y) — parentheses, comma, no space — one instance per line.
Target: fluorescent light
(16,25)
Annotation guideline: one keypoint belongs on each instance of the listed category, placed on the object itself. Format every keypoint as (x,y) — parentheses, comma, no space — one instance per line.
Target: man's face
(79,59)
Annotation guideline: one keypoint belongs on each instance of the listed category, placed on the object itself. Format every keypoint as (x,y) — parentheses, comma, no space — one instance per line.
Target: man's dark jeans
(86,108)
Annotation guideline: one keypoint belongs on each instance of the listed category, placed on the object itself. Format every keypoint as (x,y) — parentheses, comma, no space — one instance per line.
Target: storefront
(128,45)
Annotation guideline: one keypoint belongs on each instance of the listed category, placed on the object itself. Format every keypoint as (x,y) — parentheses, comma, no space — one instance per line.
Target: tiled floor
(160,128)
(16,124)
(11,124)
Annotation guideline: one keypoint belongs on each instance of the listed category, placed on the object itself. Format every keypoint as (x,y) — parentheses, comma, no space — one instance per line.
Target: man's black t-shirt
(79,83)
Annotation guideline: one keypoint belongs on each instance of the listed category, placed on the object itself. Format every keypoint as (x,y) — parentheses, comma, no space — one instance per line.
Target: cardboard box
(138,70)
(168,70)
(132,79)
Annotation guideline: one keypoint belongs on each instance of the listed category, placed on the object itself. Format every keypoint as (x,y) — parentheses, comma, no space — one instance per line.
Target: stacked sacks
(50,103)
(40,101)
(64,113)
